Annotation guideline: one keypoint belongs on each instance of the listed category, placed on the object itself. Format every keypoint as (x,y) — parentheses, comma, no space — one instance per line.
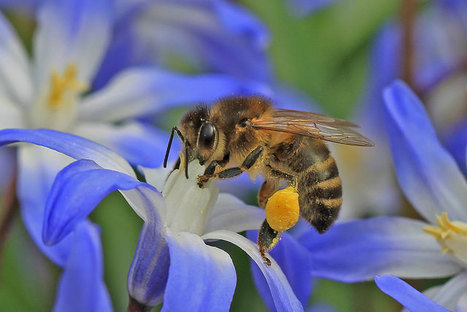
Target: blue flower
(171,255)
(54,90)
(404,247)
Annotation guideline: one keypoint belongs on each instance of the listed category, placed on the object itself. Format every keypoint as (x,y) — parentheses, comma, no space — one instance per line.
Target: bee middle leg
(249,161)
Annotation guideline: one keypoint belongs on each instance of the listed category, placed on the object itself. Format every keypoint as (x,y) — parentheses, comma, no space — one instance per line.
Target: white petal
(231,214)
(450,293)
(157,177)
(15,71)
(10,114)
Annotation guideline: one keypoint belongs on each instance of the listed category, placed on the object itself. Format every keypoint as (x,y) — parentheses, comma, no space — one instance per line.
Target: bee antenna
(186,159)
(169,145)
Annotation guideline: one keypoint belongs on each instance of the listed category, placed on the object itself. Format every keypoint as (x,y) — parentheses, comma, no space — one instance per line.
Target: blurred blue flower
(211,35)
(172,263)
(367,193)
(439,58)
(431,180)
(54,91)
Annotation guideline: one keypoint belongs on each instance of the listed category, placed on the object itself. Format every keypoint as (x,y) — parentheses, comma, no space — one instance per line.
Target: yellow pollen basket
(451,235)
(282,209)
(62,85)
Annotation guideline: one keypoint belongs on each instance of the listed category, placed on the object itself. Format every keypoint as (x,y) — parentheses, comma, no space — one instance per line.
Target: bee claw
(202,180)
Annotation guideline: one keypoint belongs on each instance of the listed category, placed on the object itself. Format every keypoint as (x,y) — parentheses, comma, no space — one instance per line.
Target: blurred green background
(325,56)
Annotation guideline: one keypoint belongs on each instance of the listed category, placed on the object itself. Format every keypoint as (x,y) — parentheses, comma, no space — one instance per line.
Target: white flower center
(188,205)
(451,235)
(56,103)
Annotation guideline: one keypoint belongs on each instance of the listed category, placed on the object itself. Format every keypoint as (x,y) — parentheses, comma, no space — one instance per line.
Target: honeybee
(287,147)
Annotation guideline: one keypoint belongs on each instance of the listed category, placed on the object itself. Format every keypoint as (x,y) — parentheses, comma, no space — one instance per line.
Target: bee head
(201,135)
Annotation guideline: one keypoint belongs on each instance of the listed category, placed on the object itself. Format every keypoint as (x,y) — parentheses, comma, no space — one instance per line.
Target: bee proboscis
(287,147)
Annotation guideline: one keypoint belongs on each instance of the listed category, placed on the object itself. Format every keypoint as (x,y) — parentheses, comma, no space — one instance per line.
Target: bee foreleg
(267,239)
(231,172)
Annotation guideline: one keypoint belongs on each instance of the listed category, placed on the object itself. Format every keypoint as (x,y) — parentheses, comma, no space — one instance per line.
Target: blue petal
(151,91)
(68,144)
(37,168)
(78,31)
(201,277)
(139,143)
(241,22)
(281,292)
(76,192)
(81,286)
(28,5)
(294,260)
(427,173)
(456,144)
(408,296)
(358,250)
(149,269)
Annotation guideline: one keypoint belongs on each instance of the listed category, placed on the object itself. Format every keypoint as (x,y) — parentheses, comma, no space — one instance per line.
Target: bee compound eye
(207,136)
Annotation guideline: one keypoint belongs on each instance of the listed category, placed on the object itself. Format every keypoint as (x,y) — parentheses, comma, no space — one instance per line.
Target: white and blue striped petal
(68,144)
(152,90)
(137,142)
(358,250)
(79,32)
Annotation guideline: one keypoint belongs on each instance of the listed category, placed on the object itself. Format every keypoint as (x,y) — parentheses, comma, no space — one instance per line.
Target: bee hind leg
(267,239)
(268,188)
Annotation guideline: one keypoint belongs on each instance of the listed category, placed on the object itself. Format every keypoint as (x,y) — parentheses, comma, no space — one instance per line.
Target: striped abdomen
(319,187)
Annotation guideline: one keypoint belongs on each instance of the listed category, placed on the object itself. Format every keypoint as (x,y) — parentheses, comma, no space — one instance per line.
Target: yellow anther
(451,235)
(282,209)
(63,85)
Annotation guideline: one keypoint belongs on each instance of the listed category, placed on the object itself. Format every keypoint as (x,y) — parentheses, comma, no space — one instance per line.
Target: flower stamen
(63,85)
(451,235)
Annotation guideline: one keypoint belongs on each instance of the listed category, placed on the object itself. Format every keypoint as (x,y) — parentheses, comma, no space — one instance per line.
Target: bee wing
(313,125)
